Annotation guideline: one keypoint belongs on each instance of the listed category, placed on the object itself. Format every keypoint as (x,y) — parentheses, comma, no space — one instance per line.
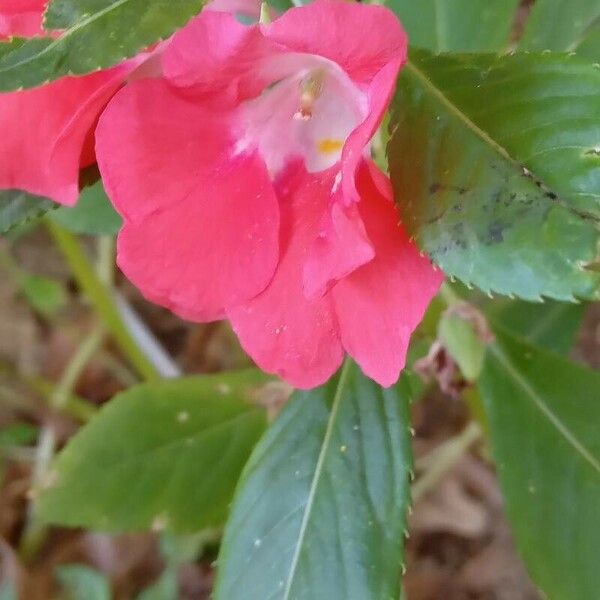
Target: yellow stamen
(329,145)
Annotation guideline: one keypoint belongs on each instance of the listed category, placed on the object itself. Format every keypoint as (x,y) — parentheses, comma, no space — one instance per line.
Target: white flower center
(307,112)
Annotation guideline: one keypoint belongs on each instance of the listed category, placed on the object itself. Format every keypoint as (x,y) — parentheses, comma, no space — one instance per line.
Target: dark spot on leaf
(434,188)
(457,236)
(495,233)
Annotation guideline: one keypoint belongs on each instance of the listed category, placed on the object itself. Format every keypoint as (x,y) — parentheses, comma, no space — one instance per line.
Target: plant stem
(74,406)
(102,300)
(145,339)
(265,17)
(440,460)
(35,531)
(448,295)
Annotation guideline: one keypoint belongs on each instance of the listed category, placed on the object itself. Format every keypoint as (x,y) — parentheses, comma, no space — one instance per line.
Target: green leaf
(590,44)
(165,455)
(93,214)
(560,25)
(19,434)
(456,25)
(96,34)
(46,296)
(17,207)
(81,582)
(165,588)
(460,339)
(495,167)
(281,6)
(320,509)
(544,415)
(551,325)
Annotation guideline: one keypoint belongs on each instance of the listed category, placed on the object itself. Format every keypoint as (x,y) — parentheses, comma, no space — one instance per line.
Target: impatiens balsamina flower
(47,132)
(244,180)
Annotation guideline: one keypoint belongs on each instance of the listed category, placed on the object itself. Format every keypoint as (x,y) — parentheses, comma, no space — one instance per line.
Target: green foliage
(462,342)
(561,25)
(320,510)
(97,34)
(495,166)
(45,295)
(590,44)
(456,25)
(83,583)
(19,434)
(165,588)
(551,325)
(165,455)
(93,214)
(282,5)
(543,414)
(17,207)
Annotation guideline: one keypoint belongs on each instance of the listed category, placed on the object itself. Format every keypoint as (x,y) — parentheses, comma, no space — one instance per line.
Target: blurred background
(460,546)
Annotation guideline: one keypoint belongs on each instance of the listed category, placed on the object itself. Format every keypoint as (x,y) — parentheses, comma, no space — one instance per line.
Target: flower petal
(213,54)
(372,62)
(379,305)
(341,246)
(21,18)
(283,331)
(150,144)
(322,28)
(379,94)
(44,131)
(247,8)
(201,225)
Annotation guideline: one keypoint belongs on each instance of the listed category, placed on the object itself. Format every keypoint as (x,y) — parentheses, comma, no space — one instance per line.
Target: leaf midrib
(316,477)
(544,409)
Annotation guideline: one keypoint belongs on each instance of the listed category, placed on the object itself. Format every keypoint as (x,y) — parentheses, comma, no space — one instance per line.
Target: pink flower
(22,18)
(47,132)
(245,8)
(247,192)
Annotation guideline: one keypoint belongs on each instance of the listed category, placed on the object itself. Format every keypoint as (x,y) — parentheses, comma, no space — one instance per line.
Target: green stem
(106,259)
(35,531)
(75,367)
(443,458)
(265,17)
(74,406)
(102,299)
(448,295)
